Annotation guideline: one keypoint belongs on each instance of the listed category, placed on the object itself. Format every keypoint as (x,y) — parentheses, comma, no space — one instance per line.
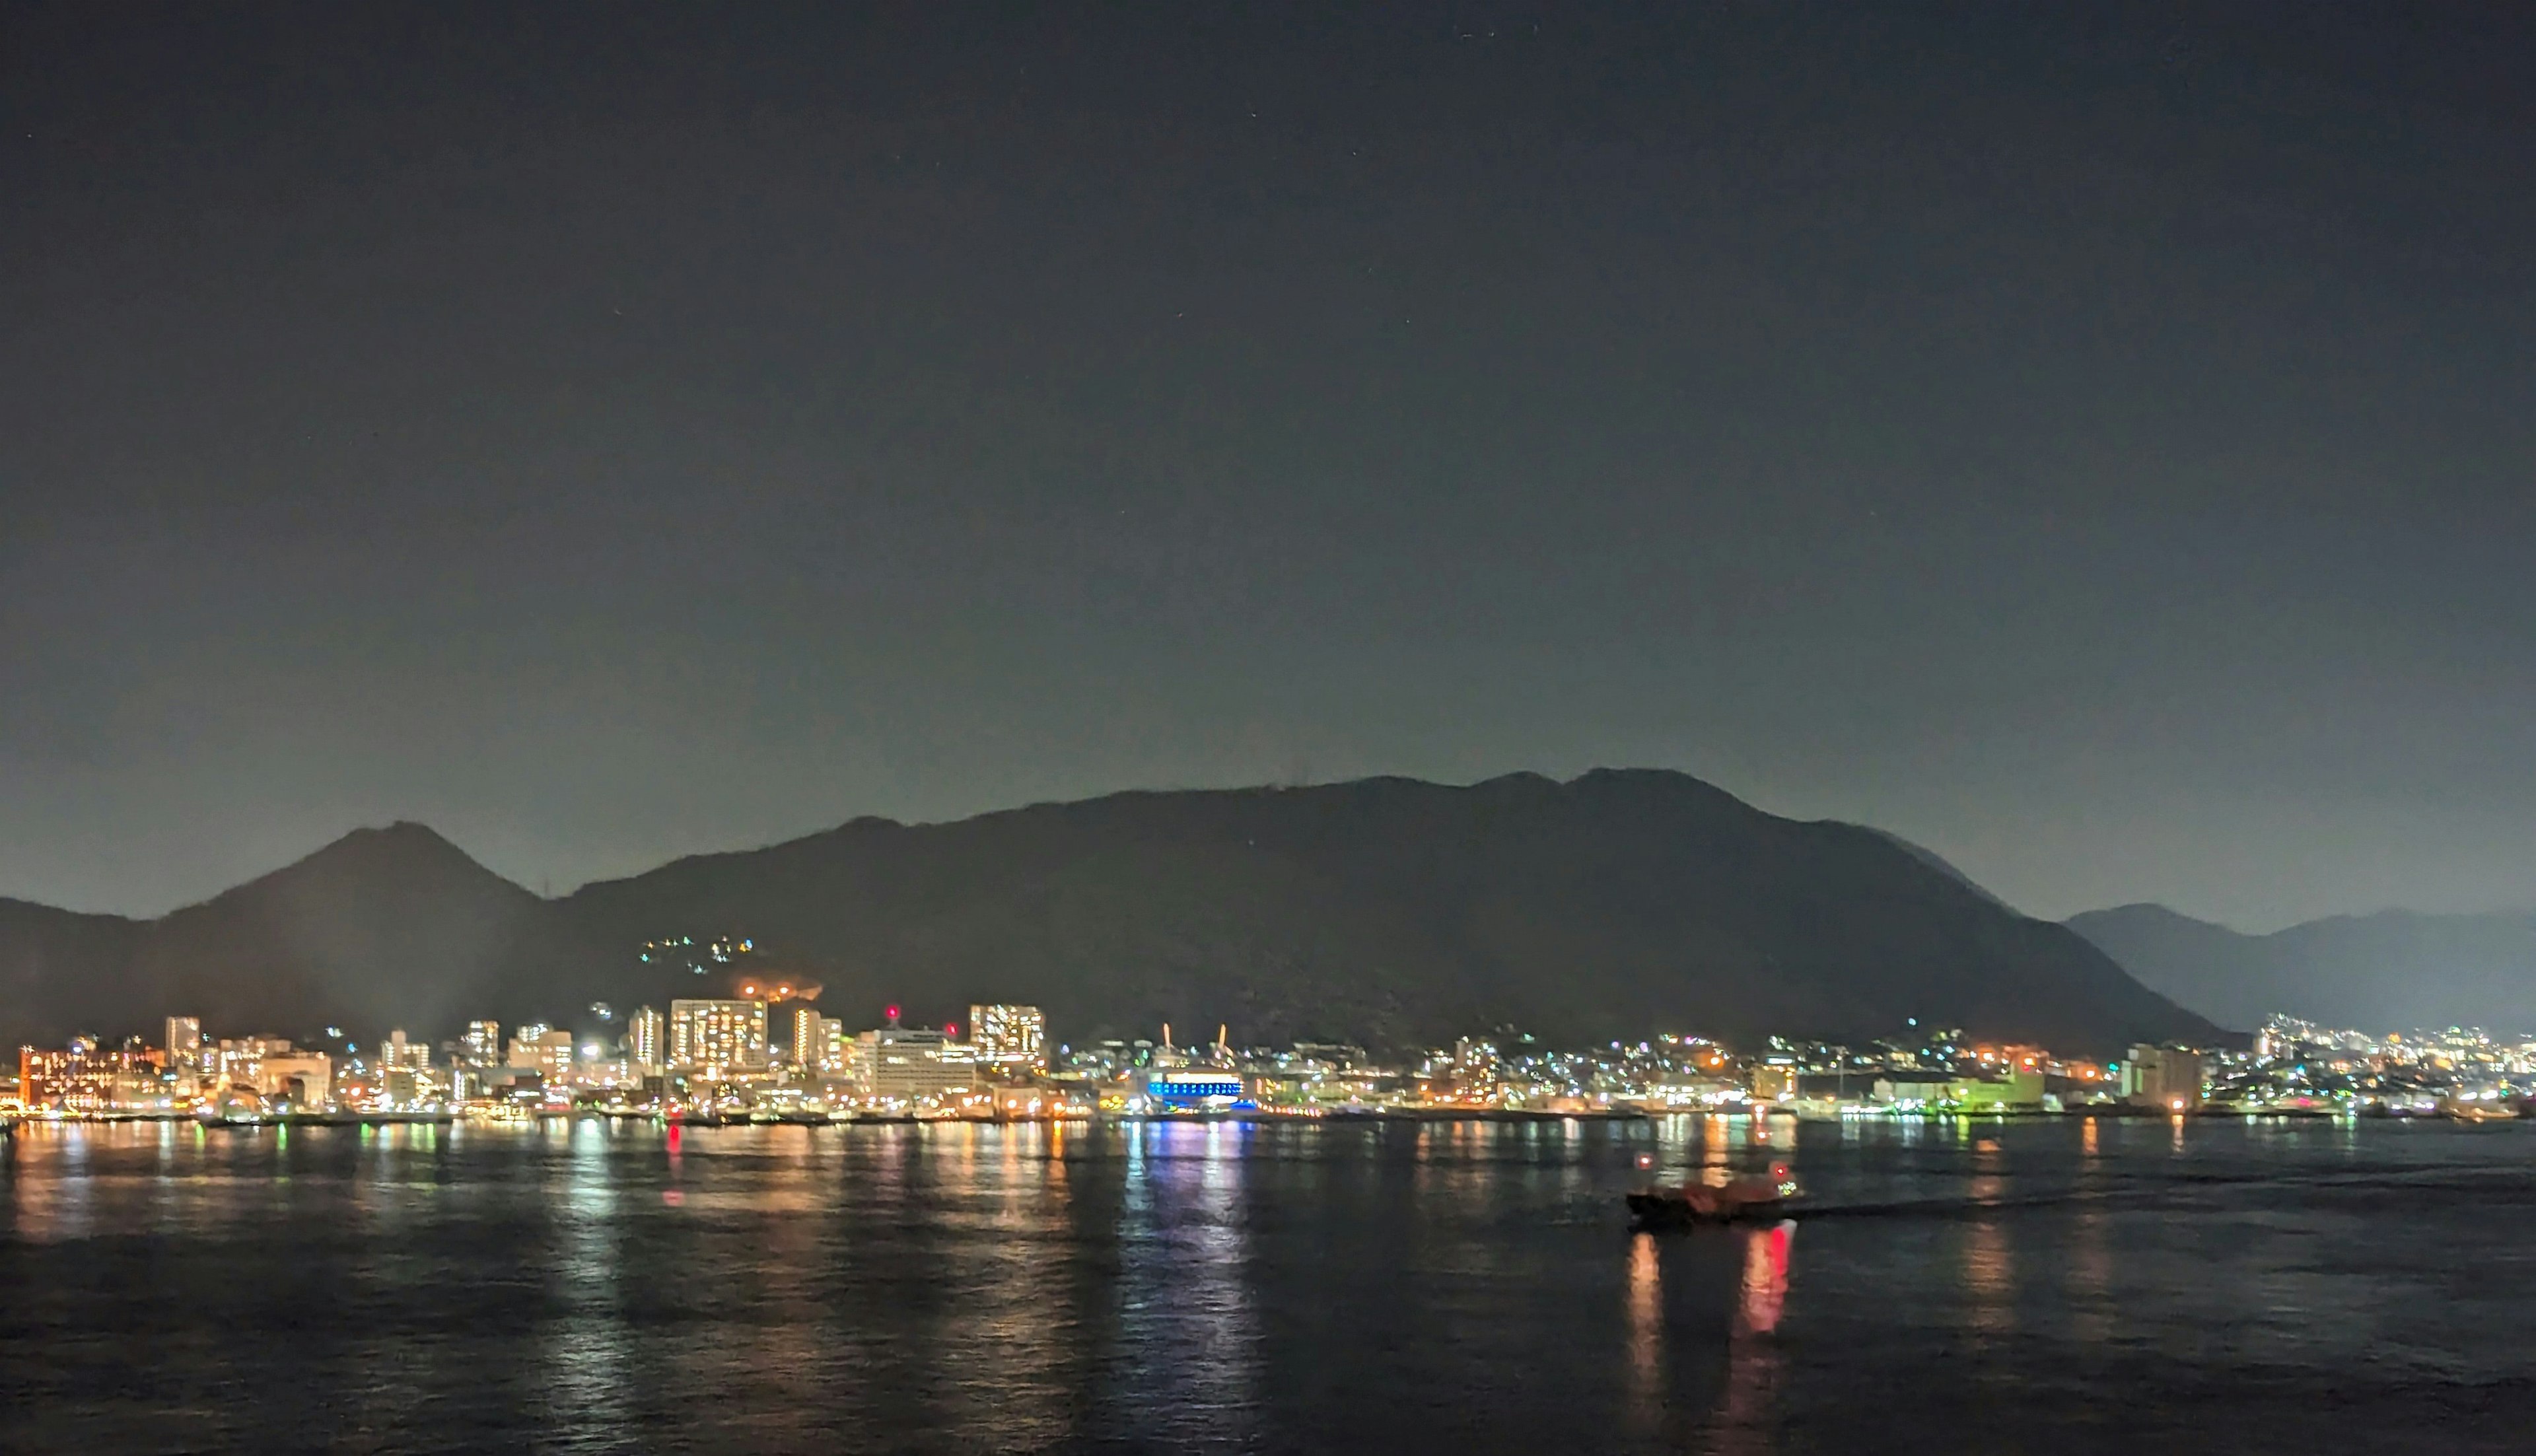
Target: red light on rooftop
(951,1029)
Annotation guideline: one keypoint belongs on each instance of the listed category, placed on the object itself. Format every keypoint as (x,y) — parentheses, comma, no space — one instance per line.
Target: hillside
(384,928)
(2389,970)
(59,968)
(1615,904)
(1618,904)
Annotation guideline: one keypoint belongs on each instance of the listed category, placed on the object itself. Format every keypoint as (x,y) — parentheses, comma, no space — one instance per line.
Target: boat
(232,1106)
(1702,1203)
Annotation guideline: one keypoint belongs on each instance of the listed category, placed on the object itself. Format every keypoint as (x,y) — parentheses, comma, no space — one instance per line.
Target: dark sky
(2096,443)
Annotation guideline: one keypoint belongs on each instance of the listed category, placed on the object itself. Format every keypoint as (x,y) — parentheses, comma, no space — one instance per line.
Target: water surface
(2047,1286)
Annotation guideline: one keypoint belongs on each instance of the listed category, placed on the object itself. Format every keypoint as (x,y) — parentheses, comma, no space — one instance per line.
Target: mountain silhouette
(383,928)
(1619,904)
(2393,970)
(60,969)
(1939,863)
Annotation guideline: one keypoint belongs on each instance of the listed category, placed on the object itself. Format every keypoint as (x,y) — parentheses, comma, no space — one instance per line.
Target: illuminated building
(1912,1088)
(240,1059)
(2008,1088)
(483,1043)
(908,1063)
(302,1079)
(1335,1056)
(596,1068)
(813,1038)
(2163,1077)
(1009,1039)
(542,1049)
(184,1041)
(836,1050)
(82,1079)
(719,1036)
(1772,1083)
(644,1030)
(1191,1089)
(397,1055)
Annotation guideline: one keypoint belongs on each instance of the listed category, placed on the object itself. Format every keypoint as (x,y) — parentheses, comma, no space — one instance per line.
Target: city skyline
(1312,728)
(713,1061)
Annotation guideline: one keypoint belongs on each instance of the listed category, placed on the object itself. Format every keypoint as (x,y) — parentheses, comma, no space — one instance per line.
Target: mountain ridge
(2386,969)
(1618,903)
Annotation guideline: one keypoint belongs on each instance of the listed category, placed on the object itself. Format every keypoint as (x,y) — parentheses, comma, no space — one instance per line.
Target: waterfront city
(768,1055)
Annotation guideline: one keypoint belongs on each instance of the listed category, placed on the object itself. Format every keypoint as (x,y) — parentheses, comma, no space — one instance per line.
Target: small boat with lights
(1720,1203)
(233,1105)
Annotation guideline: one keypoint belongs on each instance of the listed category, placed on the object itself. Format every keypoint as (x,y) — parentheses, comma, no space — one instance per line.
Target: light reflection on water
(589,1347)
(1015,1314)
(1746,1411)
(1989,1252)
(1646,1331)
(1187,1286)
(1186,1342)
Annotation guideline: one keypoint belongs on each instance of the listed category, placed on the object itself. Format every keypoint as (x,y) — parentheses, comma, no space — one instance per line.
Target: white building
(645,1034)
(813,1039)
(909,1064)
(239,1060)
(397,1055)
(300,1079)
(483,1043)
(184,1042)
(1010,1039)
(717,1037)
(544,1050)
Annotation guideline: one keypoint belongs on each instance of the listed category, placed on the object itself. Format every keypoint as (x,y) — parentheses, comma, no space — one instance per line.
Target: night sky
(2097,445)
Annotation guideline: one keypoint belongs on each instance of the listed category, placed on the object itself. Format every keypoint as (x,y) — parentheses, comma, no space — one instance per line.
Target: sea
(2051,1286)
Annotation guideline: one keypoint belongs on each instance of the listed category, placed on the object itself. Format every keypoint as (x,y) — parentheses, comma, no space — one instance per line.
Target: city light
(717,1061)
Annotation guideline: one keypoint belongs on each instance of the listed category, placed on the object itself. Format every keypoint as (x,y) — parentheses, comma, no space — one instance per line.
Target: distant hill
(1618,904)
(2386,972)
(59,968)
(384,927)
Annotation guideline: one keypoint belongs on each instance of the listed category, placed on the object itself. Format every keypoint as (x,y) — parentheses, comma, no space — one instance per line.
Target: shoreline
(1509,1115)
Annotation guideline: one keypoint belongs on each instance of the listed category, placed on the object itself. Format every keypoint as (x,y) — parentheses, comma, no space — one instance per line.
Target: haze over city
(2092,445)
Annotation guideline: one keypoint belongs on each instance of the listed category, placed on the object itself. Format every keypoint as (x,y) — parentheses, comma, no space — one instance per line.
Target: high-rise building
(643,1033)
(397,1055)
(184,1041)
(483,1043)
(812,1040)
(1009,1039)
(717,1037)
(906,1064)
